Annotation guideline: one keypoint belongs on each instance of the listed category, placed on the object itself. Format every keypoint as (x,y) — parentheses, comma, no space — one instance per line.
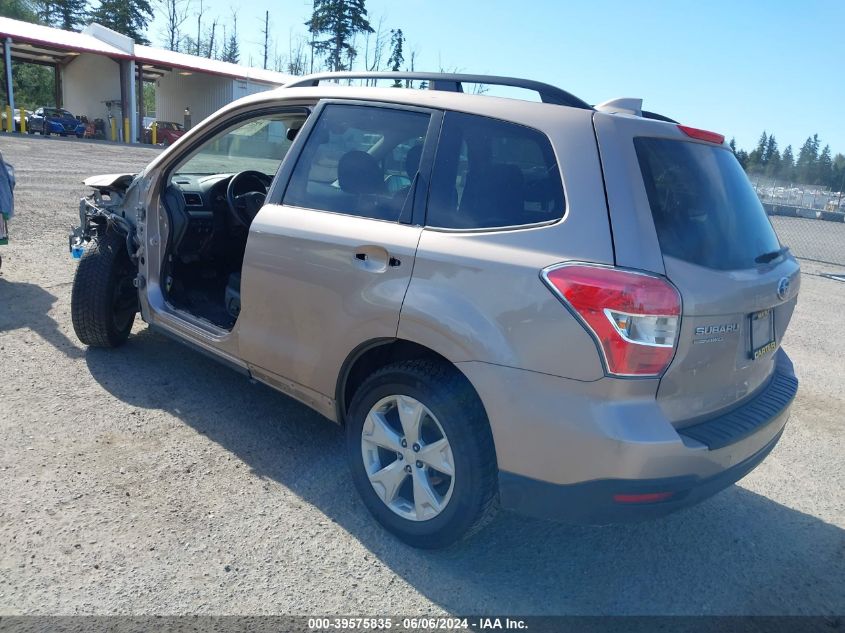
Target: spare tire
(104,300)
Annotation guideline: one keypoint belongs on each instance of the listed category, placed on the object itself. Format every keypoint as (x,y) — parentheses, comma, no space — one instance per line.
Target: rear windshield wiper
(765,258)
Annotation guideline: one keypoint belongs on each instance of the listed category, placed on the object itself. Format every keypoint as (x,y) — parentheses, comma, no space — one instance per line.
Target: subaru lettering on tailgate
(724,328)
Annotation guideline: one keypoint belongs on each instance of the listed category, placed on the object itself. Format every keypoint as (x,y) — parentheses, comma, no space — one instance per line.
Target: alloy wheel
(408,458)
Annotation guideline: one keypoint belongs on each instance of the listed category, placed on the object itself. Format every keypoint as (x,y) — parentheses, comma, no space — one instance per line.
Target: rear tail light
(634,317)
(702,135)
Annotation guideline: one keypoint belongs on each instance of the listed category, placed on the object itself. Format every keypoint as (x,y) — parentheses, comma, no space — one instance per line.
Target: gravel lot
(150,480)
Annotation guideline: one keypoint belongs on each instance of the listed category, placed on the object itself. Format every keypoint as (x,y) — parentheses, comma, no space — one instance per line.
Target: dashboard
(202,194)
(200,212)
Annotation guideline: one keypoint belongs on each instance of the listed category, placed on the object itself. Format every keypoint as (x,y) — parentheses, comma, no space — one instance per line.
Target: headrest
(359,173)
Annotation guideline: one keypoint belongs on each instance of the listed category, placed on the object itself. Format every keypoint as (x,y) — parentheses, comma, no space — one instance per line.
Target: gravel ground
(150,480)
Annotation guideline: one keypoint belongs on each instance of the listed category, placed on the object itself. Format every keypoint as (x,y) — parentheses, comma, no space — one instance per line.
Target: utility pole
(266,36)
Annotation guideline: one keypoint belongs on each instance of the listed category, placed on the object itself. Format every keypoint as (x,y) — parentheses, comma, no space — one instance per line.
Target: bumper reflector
(648,497)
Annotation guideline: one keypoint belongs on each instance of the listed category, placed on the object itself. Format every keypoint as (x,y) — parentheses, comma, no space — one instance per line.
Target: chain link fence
(808,218)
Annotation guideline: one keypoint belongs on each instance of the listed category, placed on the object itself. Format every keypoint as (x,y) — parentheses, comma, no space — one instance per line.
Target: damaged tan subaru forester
(567,310)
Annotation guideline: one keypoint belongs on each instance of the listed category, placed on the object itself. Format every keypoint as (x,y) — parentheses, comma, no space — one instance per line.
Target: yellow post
(10,121)
(23,121)
(154,132)
(113,129)
(126,138)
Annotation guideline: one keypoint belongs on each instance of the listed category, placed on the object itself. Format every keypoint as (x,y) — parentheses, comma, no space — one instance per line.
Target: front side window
(359,160)
(490,174)
(258,143)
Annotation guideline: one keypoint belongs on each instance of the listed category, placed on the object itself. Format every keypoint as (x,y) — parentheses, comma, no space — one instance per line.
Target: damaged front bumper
(105,210)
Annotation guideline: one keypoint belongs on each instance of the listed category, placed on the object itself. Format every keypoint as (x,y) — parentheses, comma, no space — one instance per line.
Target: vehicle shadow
(738,553)
(27,306)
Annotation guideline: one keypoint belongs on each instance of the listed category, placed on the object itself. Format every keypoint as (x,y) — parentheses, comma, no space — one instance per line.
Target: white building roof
(46,42)
(57,38)
(164,57)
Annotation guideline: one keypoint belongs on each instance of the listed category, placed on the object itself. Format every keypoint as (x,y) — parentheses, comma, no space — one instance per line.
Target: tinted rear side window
(704,209)
(490,173)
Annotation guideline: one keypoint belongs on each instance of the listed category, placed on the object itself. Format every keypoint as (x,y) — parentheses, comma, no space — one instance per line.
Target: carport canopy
(102,66)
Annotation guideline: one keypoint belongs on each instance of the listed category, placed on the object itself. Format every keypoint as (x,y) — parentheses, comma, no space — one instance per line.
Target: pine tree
(806,166)
(787,164)
(44,10)
(824,175)
(129,17)
(231,49)
(70,14)
(732,145)
(25,10)
(839,172)
(757,157)
(397,39)
(772,157)
(339,21)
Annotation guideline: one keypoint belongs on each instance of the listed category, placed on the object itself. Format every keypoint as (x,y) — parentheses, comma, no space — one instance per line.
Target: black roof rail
(451,82)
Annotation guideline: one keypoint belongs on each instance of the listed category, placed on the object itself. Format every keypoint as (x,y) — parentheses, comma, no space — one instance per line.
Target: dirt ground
(150,480)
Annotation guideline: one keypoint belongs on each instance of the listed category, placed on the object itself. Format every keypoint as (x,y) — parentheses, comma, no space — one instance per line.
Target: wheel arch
(371,356)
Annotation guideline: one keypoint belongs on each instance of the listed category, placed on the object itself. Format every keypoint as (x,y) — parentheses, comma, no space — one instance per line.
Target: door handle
(393,261)
(374,259)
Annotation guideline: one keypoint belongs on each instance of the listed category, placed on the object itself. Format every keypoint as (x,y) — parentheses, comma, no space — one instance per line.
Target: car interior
(211,198)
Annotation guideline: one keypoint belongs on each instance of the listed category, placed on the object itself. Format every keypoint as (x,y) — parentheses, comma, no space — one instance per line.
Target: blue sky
(730,66)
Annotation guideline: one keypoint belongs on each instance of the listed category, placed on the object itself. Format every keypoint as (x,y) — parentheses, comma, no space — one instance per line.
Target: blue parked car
(55,121)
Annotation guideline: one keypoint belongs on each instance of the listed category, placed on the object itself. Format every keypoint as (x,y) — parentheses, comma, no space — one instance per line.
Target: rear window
(705,210)
(490,173)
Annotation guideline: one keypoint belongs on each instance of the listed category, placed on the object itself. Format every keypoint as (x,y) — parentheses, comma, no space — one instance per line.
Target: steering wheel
(243,200)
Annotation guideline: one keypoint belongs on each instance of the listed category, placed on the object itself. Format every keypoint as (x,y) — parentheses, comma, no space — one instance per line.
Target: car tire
(451,411)
(104,300)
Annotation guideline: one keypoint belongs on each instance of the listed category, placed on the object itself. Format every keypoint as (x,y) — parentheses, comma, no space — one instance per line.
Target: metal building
(101,74)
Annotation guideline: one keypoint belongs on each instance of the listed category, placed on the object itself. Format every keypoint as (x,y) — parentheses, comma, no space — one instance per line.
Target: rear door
(329,259)
(682,206)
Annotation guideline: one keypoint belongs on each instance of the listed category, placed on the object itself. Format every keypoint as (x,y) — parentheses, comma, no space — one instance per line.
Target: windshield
(56,112)
(256,144)
(704,209)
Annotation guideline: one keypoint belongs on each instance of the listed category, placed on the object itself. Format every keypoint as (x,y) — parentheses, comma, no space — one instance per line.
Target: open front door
(328,261)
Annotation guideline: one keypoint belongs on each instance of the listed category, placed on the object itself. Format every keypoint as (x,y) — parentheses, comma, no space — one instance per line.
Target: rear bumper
(584,452)
(594,503)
